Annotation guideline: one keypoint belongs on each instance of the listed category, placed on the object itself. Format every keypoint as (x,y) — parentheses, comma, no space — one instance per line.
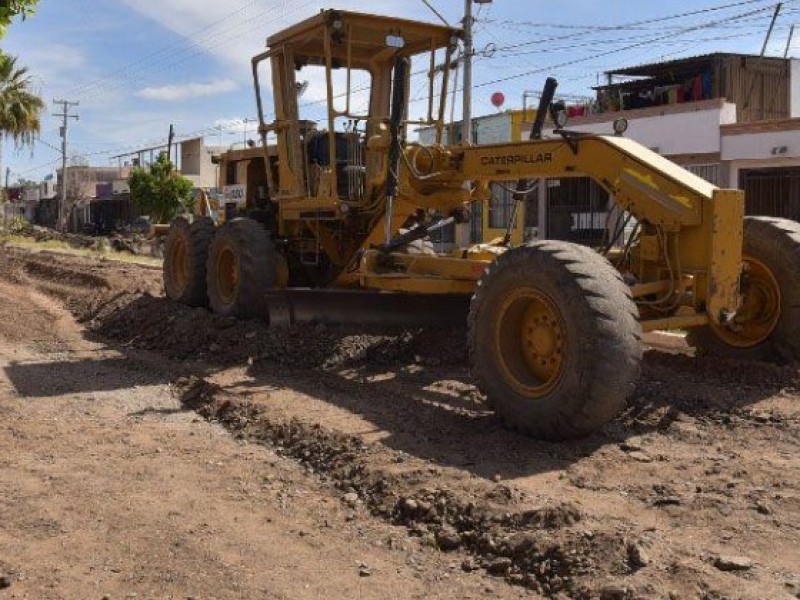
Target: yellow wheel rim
(760,310)
(531,342)
(227,268)
(179,258)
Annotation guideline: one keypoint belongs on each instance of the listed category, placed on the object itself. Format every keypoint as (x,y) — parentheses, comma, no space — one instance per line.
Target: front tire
(241,269)
(767,326)
(554,340)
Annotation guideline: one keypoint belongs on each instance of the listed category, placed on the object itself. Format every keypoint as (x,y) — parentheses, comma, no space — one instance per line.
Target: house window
(711,173)
(230,173)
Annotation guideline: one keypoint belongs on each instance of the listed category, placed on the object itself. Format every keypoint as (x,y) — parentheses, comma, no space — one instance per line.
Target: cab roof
(362,35)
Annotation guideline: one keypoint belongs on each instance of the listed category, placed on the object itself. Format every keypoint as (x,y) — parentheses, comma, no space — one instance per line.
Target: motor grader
(336,211)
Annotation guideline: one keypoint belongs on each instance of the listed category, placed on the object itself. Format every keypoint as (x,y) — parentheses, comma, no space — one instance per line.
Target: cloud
(235,30)
(173,93)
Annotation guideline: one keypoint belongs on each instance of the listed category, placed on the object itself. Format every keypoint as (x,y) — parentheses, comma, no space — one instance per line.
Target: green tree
(20,109)
(9,9)
(161,192)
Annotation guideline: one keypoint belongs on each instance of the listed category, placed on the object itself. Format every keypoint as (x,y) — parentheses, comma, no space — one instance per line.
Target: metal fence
(772,192)
(577,211)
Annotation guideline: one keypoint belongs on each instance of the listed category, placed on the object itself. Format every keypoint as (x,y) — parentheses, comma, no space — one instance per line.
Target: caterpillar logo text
(517,159)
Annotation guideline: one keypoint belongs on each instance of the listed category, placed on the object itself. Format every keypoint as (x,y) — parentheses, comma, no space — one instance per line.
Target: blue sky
(138,65)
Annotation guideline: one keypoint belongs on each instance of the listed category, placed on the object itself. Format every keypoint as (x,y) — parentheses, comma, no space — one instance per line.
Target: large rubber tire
(185,257)
(775,244)
(598,333)
(241,269)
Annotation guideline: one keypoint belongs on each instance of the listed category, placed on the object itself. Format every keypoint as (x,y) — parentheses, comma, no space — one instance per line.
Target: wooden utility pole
(66,105)
(469,51)
(170,139)
(466,125)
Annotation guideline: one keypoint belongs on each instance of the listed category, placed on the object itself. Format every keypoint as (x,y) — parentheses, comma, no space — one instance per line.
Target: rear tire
(241,269)
(770,316)
(554,340)
(185,257)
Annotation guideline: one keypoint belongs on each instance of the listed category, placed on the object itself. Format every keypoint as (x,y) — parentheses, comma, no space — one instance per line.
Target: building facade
(732,119)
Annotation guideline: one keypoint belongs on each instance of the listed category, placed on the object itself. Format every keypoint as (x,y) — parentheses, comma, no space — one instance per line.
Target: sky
(137,66)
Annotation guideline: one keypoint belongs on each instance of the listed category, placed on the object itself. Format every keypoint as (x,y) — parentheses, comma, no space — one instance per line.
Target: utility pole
(169,142)
(245,121)
(66,105)
(771,27)
(466,126)
(463,230)
(789,43)
(778,8)
(469,51)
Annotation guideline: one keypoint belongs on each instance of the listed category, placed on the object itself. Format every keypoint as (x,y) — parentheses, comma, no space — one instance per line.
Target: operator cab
(332,86)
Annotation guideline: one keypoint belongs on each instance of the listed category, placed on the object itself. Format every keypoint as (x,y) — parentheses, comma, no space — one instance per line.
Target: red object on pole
(498,99)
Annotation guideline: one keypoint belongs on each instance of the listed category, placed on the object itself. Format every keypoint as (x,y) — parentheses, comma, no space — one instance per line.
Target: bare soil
(155,449)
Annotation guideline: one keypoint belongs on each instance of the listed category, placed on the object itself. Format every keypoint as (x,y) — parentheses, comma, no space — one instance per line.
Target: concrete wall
(493,129)
(82,181)
(760,150)
(191,155)
(489,129)
(196,163)
(794,88)
(687,132)
(761,146)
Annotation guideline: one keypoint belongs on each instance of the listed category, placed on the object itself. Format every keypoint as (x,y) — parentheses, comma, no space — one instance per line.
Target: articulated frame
(684,268)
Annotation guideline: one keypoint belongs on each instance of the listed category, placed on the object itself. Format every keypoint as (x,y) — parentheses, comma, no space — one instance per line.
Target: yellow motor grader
(334,218)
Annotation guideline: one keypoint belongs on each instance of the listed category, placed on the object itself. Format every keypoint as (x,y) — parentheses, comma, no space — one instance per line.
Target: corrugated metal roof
(646,69)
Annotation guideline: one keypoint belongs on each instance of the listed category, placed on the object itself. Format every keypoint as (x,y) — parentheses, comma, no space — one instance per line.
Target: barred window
(711,173)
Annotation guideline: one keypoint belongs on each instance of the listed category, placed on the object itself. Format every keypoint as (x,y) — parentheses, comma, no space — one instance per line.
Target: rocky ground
(137,242)
(153,449)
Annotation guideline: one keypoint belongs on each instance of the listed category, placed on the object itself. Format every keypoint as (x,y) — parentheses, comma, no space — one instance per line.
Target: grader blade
(354,307)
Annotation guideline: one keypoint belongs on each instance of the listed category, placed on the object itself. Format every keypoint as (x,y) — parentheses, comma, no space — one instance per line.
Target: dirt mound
(125,304)
(154,323)
(544,548)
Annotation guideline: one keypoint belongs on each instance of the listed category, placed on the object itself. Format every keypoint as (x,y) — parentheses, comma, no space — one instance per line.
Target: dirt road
(151,449)
(108,488)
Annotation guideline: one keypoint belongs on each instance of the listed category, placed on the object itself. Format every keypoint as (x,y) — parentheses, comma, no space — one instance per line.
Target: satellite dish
(498,99)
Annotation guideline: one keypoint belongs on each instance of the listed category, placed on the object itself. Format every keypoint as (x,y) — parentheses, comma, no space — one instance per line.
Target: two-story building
(733,119)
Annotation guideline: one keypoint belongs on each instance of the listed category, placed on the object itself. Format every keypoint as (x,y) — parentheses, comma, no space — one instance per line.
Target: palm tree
(20,109)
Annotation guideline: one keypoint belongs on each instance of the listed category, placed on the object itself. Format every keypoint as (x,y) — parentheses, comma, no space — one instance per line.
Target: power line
(616,51)
(436,12)
(136,70)
(164,50)
(650,21)
(682,15)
